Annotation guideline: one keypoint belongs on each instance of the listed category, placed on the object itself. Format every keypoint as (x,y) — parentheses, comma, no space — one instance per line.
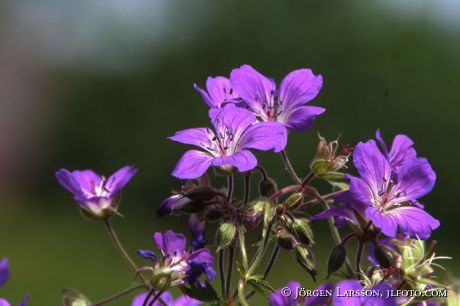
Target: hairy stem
(117,295)
(263,172)
(120,247)
(359,254)
(289,168)
(316,201)
(261,250)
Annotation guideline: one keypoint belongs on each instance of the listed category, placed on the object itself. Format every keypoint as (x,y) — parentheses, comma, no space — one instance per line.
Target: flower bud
(267,187)
(201,194)
(71,297)
(254,213)
(382,257)
(161,281)
(305,259)
(327,160)
(193,207)
(336,259)
(301,230)
(225,235)
(294,200)
(213,214)
(285,239)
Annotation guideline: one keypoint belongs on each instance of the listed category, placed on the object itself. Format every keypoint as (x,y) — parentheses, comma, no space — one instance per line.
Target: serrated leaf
(260,285)
(204,294)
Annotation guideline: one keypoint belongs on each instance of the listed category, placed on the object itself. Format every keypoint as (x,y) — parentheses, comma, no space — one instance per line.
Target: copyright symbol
(286,291)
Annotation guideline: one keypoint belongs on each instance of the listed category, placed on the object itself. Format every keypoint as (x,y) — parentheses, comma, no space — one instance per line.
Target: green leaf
(260,285)
(204,294)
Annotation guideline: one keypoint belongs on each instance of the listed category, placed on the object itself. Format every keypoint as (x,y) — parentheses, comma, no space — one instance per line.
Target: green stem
(334,230)
(221,272)
(261,250)
(230,270)
(289,168)
(270,264)
(244,255)
(241,296)
(116,241)
(117,295)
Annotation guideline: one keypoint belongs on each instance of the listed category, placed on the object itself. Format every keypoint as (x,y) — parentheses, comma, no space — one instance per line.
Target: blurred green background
(101,84)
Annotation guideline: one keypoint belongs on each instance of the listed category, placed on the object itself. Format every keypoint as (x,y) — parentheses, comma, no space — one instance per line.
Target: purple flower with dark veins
(182,266)
(219,91)
(284,105)
(401,149)
(235,131)
(389,198)
(167,298)
(95,194)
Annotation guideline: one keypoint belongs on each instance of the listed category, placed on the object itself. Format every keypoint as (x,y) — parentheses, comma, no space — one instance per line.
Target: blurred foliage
(381,70)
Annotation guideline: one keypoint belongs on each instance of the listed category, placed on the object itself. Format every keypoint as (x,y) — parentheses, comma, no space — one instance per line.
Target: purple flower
(196,227)
(4,275)
(4,302)
(185,267)
(235,131)
(167,298)
(4,271)
(172,203)
(401,149)
(219,92)
(93,192)
(345,287)
(280,298)
(292,297)
(386,197)
(285,105)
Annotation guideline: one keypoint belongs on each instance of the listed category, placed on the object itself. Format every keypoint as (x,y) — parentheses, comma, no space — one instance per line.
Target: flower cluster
(379,206)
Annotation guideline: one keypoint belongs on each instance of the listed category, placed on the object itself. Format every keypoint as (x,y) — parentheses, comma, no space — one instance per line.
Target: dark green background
(384,66)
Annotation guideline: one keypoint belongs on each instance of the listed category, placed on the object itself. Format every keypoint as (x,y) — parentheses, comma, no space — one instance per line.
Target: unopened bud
(71,297)
(193,207)
(327,160)
(161,281)
(255,211)
(285,239)
(294,200)
(301,230)
(305,259)
(382,257)
(225,235)
(267,187)
(202,193)
(336,259)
